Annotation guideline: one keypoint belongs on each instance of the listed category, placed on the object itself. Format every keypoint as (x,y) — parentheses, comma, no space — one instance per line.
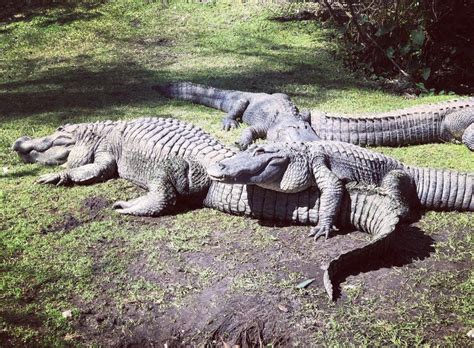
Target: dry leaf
(304,284)
(67,314)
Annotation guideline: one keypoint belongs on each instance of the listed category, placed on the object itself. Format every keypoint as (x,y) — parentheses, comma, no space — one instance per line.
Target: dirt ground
(262,310)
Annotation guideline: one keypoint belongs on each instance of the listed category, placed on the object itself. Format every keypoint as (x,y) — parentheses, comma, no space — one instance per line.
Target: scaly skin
(270,116)
(295,167)
(433,123)
(150,153)
(139,151)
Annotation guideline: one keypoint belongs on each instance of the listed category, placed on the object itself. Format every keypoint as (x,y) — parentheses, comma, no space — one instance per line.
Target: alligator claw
(241,146)
(51,178)
(57,179)
(122,211)
(229,124)
(63,180)
(319,231)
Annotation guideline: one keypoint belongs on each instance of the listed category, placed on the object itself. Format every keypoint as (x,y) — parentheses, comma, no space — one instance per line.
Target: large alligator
(432,123)
(138,151)
(293,167)
(271,116)
(168,157)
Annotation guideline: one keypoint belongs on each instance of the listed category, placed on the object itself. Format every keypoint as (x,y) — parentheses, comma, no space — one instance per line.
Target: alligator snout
(44,150)
(26,144)
(18,145)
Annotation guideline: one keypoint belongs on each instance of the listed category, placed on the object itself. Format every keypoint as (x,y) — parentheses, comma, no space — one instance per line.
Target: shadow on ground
(67,11)
(76,91)
(403,247)
(219,312)
(82,91)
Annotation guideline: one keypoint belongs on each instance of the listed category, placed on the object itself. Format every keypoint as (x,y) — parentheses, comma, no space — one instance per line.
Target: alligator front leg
(238,109)
(331,197)
(102,169)
(249,135)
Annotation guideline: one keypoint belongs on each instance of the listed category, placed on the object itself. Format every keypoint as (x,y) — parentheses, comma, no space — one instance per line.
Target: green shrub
(427,42)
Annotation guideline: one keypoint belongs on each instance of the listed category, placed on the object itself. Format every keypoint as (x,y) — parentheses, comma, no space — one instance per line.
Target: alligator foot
(241,146)
(228,124)
(124,204)
(54,179)
(152,204)
(319,231)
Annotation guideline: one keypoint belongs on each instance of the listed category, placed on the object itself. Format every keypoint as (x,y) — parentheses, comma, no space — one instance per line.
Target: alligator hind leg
(125,204)
(459,125)
(161,195)
(401,187)
(238,109)
(151,204)
(171,178)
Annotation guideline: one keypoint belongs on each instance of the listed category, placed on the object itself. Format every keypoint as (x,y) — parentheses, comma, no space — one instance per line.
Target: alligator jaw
(49,150)
(263,172)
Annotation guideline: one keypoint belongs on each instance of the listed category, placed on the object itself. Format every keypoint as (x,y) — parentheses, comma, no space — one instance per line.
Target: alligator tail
(377,212)
(398,130)
(444,190)
(196,93)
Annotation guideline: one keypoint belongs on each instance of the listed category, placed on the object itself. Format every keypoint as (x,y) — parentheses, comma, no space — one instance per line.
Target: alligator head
(53,149)
(292,130)
(275,166)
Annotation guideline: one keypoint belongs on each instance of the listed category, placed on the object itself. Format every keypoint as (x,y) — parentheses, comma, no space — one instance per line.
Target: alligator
(293,167)
(168,157)
(438,122)
(271,116)
(138,151)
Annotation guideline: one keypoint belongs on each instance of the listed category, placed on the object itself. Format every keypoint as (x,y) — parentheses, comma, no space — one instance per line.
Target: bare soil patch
(92,208)
(250,299)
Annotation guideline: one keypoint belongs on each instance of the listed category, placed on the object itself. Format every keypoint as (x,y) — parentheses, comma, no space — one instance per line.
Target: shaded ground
(76,273)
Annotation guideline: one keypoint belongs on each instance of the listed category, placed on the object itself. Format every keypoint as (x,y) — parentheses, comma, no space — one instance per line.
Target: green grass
(83,64)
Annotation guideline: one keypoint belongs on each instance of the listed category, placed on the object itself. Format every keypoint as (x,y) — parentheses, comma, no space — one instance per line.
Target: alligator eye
(258,152)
